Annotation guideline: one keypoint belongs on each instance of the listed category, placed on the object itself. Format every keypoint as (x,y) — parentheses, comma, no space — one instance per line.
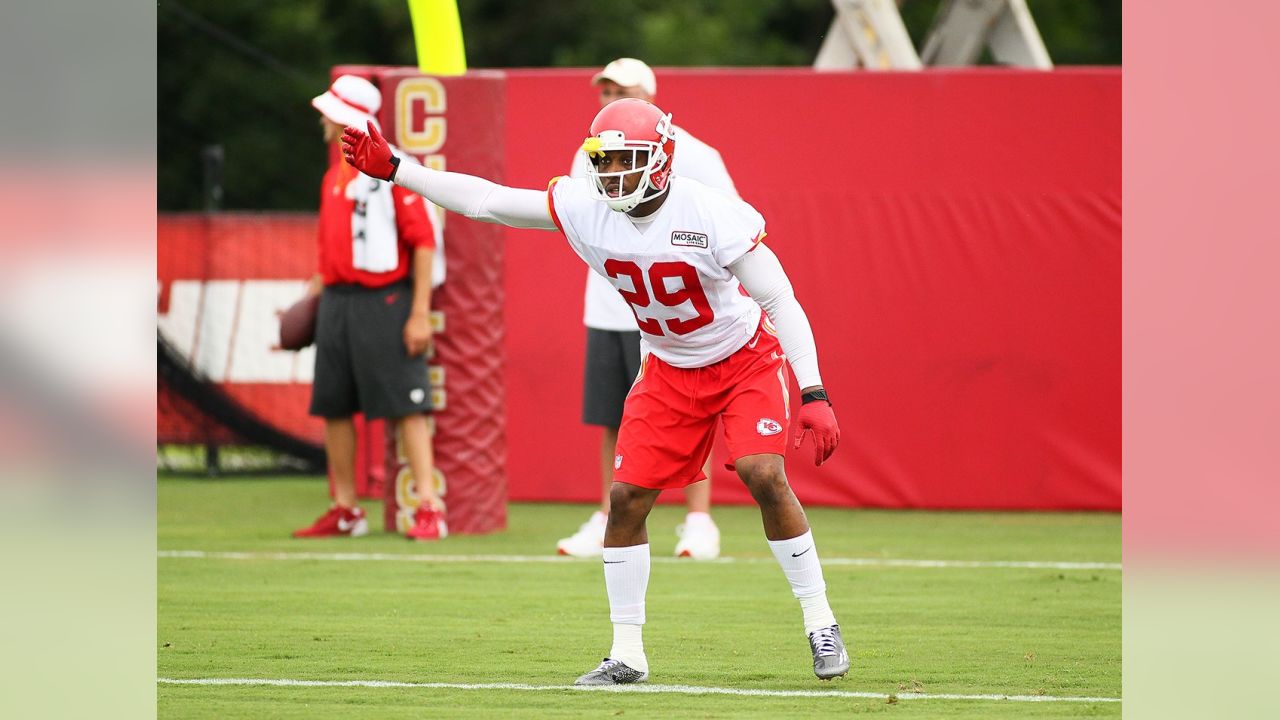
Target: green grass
(1005,631)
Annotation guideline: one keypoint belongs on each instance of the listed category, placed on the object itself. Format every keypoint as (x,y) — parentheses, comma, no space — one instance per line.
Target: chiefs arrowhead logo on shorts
(768,426)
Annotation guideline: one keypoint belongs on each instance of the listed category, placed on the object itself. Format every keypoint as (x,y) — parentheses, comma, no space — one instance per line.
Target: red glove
(369,153)
(816,417)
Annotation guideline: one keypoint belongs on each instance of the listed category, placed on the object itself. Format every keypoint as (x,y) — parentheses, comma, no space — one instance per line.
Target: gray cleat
(829,656)
(612,672)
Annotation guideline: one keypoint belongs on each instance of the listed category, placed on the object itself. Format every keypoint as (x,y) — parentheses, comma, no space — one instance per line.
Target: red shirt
(413,229)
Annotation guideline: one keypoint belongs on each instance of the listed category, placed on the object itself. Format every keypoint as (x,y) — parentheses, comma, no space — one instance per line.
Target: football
(298,323)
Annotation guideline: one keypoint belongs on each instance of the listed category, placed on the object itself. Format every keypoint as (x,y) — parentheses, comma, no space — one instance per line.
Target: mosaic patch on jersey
(682,238)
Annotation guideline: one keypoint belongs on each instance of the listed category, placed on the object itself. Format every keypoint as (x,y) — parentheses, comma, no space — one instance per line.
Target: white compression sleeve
(763,278)
(477,198)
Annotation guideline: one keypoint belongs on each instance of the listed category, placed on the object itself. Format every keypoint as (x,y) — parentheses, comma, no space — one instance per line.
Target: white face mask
(613,140)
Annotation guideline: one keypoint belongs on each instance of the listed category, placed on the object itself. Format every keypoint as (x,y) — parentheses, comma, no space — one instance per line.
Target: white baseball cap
(350,100)
(629,72)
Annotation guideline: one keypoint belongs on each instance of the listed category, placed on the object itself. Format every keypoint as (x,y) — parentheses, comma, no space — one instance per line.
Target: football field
(951,615)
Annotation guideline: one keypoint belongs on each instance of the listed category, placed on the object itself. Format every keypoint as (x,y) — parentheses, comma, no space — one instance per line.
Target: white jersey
(602,307)
(671,268)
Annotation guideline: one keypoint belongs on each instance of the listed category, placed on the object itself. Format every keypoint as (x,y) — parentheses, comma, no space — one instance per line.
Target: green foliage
(734,624)
(1079,33)
(1076,32)
(240,73)
(690,32)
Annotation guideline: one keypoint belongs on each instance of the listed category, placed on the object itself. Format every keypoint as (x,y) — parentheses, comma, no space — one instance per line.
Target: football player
(613,355)
(676,251)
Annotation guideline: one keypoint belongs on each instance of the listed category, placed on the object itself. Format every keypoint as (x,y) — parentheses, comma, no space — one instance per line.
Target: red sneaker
(428,524)
(337,522)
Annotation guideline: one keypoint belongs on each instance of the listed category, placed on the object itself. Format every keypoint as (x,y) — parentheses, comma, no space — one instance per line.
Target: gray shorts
(361,363)
(613,361)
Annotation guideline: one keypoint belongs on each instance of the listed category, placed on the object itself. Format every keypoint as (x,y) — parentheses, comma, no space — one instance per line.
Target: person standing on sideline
(680,253)
(373,326)
(613,340)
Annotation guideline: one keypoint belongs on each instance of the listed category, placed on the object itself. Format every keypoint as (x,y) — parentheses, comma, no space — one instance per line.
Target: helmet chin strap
(631,203)
(651,195)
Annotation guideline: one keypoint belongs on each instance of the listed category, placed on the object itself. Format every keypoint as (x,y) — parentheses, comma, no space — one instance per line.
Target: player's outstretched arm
(767,283)
(474,197)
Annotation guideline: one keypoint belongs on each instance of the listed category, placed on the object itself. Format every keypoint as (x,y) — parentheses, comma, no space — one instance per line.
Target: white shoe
(612,672)
(698,540)
(830,658)
(588,541)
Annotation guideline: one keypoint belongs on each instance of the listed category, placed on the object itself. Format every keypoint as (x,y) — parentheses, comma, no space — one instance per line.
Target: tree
(241,73)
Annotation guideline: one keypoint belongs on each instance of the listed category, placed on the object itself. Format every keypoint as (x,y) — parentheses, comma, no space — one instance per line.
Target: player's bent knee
(760,469)
(769,494)
(764,477)
(627,500)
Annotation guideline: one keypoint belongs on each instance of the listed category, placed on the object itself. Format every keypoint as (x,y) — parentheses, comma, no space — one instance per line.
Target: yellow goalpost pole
(437,34)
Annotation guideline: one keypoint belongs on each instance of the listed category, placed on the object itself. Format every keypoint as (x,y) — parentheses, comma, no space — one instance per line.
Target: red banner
(222,279)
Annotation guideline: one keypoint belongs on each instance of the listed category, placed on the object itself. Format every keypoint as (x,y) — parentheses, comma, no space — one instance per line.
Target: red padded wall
(954,237)
(469,435)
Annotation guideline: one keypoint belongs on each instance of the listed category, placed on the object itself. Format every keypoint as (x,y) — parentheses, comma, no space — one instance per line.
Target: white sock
(799,560)
(817,613)
(628,646)
(698,519)
(626,578)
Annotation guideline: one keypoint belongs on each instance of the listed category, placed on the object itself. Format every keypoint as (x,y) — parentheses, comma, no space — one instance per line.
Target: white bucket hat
(350,100)
(629,72)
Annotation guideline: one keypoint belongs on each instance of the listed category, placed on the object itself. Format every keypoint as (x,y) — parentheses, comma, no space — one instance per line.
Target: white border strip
(638,688)
(826,561)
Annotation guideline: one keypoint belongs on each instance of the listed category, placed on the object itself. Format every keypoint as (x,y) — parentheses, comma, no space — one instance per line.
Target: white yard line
(826,561)
(639,688)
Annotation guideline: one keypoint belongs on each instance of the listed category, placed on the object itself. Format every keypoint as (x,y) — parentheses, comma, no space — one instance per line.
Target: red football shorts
(669,419)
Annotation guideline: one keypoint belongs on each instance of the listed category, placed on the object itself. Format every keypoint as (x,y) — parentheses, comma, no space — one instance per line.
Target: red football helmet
(639,126)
